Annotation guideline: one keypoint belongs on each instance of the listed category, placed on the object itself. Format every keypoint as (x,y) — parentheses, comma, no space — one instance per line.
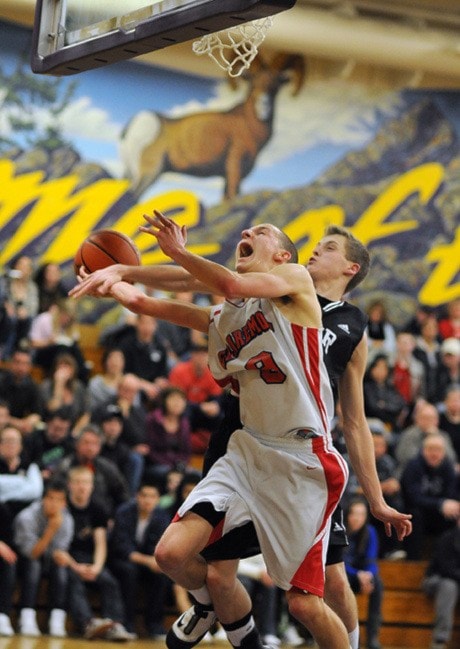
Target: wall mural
(104,147)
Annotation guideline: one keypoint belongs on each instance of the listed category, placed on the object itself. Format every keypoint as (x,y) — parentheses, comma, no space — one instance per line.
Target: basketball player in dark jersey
(337,265)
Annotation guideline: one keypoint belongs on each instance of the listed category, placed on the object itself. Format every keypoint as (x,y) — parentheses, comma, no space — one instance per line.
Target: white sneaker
(271,640)
(56,624)
(291,637)
(28,623)
(5,625)
(191,627)
(220,635)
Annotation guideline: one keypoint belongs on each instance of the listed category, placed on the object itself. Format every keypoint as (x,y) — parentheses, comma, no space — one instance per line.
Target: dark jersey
(343,328)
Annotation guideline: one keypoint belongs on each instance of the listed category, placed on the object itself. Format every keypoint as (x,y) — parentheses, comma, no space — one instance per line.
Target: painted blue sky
(311,131)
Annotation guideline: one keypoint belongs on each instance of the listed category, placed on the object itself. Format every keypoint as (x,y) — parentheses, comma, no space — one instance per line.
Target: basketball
(104,248)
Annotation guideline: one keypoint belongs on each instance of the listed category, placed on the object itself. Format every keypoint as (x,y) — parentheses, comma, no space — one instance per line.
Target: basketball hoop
(234,49)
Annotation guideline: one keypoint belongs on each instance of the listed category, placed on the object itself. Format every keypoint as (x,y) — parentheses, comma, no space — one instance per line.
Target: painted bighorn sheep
(210,143)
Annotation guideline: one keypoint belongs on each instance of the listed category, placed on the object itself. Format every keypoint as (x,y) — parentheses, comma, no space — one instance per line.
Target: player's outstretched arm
(358,439)
(275,282)
(163,277)
(184,314)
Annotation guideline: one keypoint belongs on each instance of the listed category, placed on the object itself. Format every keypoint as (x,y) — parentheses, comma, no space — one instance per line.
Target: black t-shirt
(39,449)
(23,397)
(86,520)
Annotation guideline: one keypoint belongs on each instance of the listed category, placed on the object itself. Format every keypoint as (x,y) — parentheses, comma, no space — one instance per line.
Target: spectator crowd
(94,463)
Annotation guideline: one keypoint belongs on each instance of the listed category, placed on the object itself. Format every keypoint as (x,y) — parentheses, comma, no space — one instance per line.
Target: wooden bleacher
(407,612)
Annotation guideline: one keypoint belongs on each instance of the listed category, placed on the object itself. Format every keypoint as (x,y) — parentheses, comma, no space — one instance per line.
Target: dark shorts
(242,542)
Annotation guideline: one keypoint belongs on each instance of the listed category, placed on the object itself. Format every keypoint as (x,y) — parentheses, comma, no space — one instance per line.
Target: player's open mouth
(245,249)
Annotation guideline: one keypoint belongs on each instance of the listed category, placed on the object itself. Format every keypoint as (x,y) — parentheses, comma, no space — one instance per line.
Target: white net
(234,49)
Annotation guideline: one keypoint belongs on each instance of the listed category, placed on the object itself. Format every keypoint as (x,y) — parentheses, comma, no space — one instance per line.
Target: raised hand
(171,237)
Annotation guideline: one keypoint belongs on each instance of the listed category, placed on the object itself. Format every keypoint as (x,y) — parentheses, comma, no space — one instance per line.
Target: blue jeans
(31,572)
(8,583)
(133,578)
(110,596)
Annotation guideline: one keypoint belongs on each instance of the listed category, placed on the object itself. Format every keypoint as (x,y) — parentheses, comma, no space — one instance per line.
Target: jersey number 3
(266,365)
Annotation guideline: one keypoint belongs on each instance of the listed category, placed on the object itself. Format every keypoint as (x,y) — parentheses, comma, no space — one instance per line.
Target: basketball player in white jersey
(280,471)
(335,269)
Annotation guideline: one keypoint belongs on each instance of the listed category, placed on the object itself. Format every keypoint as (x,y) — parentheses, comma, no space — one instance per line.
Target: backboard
(71,36)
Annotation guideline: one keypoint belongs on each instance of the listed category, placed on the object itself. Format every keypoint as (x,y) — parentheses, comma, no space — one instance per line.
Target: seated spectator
(381,399)
(130,463)
(407,373)
(189,480)
(167,434)
(103,387)
(137,529)
(252,573)
(110,487)
(40,530)
(48,445)
(51,289)
(415,324)
(381,335)
(19,490)
(86,560)
(146,355)
(362,568)
(449,367)
(169,488)
(429,487)
(64,389)
(428,352)
(389,546)
(203,395)
(20,483)
(55,332)
(22,302)
(426,422)
(449,418)
(21,392)
(442,583)
(179,339)
(134,413)
(449,326)
(8,559)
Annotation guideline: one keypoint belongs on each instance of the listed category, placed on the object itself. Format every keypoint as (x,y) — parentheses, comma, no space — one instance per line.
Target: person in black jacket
(137,528)
(110,486)
(442,581)
(429,487)
(381,399)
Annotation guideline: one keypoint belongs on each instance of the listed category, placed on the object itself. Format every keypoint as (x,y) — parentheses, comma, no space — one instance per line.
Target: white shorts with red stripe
(288,488)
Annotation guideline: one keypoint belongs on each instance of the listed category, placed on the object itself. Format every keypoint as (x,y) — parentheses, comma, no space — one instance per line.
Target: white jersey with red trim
(275,365)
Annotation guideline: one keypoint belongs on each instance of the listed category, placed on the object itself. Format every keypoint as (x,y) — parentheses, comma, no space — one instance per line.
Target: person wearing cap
(130,463)
(389,547)
(449,368)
